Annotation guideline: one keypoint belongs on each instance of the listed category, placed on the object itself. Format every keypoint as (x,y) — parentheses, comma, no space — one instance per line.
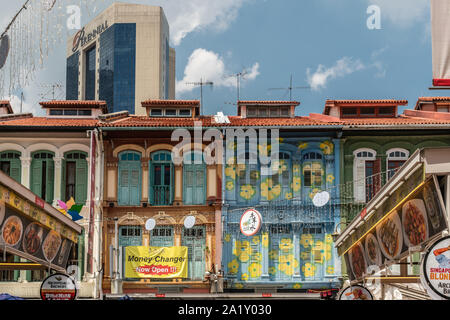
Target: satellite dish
(321,199)
(189,222)
(4,50)
(150,224)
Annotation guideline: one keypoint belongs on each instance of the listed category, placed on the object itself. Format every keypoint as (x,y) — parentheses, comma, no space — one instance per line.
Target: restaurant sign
(411,219)
(435,273)
(156,262)
(58,287)
(30,239)
(355,292)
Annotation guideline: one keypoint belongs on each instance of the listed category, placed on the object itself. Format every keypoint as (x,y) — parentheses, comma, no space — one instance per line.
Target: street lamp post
(116,284)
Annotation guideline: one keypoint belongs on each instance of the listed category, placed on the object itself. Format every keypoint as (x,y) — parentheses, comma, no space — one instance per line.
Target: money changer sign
(156,262)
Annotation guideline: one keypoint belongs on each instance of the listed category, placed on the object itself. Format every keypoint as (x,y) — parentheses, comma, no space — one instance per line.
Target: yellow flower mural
(247,192)
(255,270)
(279,166)
(257,256)
(229,185)
(327,147)
(273,255)
(272,271)
(255,175)
(227,237)
(270,191)
(244,277)
(265,240)
(313,193)
(330,178)
(330,270)
(302,145)
(287,264)
(286,244)
(309,270)
(296,184)
(230,171)
(306,240)
(238,285)
(297,286)
(296,169)
(305,255)
(244,250)
(255,240)
(233,266)
(328,238)
(328,251)
(288,196)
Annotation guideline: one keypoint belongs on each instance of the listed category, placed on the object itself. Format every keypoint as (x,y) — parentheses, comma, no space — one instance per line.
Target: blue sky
(323,43)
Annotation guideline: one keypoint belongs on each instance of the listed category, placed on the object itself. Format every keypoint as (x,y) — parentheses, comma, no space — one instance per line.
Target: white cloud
(209,66)
(403,13)
(342,67)
(195,15)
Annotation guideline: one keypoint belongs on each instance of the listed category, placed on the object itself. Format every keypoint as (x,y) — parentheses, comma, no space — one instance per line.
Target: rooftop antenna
(53,90)
(290,88)
(201,84)
(21,101)
(239,76)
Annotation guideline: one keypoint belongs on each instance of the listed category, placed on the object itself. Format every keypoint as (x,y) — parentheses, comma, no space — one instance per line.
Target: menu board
(416,220)
(22,234)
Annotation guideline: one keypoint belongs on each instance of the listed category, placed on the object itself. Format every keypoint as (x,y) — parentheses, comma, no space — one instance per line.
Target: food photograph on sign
(413,222)
(20,233)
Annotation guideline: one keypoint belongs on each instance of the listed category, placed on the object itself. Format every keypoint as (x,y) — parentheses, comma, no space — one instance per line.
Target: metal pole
(116,248)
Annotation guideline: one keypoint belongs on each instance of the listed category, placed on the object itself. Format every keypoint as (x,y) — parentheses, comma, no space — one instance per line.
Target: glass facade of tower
(89,93)
(118,67)
(72,77)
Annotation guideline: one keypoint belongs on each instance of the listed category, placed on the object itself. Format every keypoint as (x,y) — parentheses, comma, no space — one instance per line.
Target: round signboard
(435,275)
(189,222)
(150,224)
(355,292)
(58,286)
(321,199)
(250,222)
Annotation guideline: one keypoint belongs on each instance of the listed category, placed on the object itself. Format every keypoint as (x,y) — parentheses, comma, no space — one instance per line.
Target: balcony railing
(161,195)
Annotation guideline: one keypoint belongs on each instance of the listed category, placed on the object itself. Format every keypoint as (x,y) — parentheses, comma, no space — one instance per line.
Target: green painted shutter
(123,184)
(188,184)
(36,177)
(150,182)
(172,182)
(81,182)
(63,180)
(50,181)
(200,190)
(134,185)
(14,170)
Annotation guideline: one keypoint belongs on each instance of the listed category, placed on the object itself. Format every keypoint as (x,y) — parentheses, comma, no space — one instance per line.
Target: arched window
(130,172)
(10,164)
(247,180)
(194,178)
(74,177)
(161,178)
(396,157)
(43,174)
(366,174)
(282,175)
(313,170)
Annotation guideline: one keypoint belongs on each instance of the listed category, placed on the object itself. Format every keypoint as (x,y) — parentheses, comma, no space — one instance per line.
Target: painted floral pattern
(287,264)
(296,184)
(270,191)
(327,147)
(247,192)
(309,270)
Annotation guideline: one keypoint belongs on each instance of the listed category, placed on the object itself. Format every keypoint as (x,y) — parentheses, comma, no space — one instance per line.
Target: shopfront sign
(435,270)
(250,222)
(31,239)
(355,292)
(156,262)
(58,287)
(409,222)
(82,38)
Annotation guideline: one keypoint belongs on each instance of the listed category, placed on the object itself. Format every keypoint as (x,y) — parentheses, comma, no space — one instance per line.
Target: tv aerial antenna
(290,88)
(201,84)
(239,76)
(51,91)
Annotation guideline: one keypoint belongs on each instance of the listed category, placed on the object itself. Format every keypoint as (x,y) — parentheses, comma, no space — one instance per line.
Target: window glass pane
(185,112)
(84,112)
(171,112)
(156,112)
(157,175)
(167,175)
(70,112)
(368,111)
(386,111)
(349,111)
(56,112)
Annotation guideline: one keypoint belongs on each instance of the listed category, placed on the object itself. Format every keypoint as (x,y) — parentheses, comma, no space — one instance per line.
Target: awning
(32,229)
(405,215)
